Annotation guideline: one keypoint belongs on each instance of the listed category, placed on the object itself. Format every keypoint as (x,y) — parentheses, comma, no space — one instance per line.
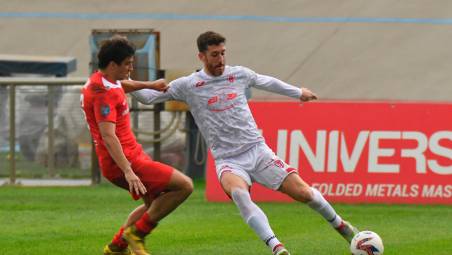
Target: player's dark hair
(209,38)
(115,49)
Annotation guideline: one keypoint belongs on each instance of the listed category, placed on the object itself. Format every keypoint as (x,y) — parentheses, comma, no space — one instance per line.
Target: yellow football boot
(135,241)
(108,251)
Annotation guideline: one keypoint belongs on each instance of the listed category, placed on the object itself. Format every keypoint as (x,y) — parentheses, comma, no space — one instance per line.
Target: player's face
(123,70)
(214,59)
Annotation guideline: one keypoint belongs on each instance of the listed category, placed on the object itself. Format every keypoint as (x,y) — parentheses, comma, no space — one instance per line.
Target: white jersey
(219,106)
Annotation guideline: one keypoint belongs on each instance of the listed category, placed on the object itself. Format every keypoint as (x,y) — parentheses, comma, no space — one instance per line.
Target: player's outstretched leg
(347,230)
(299,190)
(237,189)
(319,204)
(257,220)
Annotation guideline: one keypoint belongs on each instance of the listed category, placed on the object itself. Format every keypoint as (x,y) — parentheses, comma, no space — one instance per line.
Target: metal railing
(50,83)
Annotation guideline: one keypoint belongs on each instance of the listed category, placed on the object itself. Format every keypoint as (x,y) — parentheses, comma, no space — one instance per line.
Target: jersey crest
(105,110)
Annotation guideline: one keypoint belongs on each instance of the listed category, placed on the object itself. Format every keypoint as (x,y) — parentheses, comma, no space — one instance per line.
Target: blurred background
(341,49)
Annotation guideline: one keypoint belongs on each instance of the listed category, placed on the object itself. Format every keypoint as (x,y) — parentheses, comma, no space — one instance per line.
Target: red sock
(144,225)
(118,241)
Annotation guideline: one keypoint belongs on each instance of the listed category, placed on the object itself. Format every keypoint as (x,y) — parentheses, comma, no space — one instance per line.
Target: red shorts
(154,175)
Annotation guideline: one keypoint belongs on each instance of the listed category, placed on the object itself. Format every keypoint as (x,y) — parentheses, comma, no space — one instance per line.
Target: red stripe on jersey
(291,170)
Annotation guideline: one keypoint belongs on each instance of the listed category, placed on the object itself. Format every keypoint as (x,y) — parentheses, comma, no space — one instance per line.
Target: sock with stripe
(254,217)
(118,243)
(144,226)
(320,205)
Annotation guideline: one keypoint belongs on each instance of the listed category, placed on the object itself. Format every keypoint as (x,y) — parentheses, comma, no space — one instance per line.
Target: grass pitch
(81,220)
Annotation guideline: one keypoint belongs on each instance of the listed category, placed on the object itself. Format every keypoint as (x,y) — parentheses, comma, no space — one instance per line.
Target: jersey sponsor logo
(231,96)
(224,101)
(200,84)
(212,100)
(279,163)
(105,110)
(276,162)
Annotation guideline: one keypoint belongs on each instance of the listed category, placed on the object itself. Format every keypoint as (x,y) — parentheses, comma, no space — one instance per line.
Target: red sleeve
(105,105)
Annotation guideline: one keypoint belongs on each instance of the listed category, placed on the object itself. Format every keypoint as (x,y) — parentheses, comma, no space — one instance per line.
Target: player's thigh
(296,188)
(232,175)
(154,175)
(122,183)
(271,171)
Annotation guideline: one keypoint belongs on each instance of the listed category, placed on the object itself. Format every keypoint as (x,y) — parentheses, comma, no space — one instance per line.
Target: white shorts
(258,164)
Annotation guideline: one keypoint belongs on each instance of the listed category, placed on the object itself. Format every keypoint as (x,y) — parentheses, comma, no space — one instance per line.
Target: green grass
(81,220)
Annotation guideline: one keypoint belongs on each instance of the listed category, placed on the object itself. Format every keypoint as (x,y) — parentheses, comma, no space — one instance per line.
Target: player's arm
(274,85)
(175,91)
(131,85)
(111,141)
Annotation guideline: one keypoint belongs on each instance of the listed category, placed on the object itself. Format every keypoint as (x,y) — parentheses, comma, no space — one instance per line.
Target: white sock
(324,208)
(254,217)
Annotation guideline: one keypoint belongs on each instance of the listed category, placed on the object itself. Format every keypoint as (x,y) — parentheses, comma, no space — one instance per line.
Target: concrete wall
(364,57)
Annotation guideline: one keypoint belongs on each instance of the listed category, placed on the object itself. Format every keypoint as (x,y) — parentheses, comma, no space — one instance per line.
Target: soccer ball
(366,243)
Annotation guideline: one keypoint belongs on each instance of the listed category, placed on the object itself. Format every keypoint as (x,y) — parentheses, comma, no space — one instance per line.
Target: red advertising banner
(358,152)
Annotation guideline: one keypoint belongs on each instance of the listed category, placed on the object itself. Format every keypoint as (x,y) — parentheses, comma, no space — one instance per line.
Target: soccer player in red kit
(121,159)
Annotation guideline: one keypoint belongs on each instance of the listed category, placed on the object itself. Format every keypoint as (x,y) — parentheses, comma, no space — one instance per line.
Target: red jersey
(103,100)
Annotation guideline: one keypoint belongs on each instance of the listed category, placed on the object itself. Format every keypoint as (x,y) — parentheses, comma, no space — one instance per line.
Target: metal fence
(9,86)
(161,131)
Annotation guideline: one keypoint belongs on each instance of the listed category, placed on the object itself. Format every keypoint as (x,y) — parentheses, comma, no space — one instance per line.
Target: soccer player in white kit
(217,100)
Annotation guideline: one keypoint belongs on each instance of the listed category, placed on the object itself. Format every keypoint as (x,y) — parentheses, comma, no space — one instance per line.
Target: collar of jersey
(109,84)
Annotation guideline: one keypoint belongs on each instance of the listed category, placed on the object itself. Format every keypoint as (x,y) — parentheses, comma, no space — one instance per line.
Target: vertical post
(135,122)
(157,145)
(95,171)
(195,150)
(12,133)
(50,132)
(157,109)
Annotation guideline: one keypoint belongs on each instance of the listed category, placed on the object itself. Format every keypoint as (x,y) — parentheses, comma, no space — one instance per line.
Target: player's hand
(135,184)
(159,85)
(307,95)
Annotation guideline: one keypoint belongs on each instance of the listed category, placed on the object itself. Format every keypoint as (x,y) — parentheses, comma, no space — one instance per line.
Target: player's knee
(187,186)
(240,196)
(147,199)
(248,209)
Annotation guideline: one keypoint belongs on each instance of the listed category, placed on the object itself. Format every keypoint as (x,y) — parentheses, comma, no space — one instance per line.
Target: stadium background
(365,58)
(346,50)
(352,50)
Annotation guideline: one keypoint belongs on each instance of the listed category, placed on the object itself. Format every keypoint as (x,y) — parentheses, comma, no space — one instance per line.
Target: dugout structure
(36,105)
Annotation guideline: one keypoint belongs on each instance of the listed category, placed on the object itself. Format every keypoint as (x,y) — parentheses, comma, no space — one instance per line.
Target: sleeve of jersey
(105,108)
(272,84)
(150,96)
